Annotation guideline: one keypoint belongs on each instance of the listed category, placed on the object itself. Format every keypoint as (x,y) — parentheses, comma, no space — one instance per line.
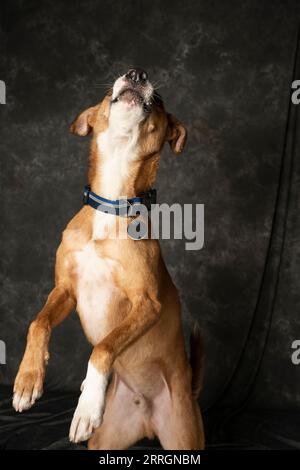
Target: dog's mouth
(130,96)
(133,90)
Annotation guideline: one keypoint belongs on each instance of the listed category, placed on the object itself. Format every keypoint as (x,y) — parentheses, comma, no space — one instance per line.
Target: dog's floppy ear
(84,122)
(176,134)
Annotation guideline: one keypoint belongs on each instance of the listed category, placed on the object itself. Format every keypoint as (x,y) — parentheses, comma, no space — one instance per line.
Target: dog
(139,381)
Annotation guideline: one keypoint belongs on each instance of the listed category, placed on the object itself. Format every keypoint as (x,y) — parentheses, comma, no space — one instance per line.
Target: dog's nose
(137,75)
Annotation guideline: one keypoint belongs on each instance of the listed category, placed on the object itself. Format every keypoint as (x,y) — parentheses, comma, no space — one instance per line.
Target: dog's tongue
(130,97)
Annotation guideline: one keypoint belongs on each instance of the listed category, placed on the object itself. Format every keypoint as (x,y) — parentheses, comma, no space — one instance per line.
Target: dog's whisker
(157,86)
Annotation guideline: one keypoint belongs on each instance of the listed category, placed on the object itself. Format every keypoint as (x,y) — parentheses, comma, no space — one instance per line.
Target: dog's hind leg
(125,419)
(176,417)
(28,385)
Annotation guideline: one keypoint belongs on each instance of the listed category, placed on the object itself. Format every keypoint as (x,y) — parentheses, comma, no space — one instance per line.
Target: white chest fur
(96,291)
(117,148)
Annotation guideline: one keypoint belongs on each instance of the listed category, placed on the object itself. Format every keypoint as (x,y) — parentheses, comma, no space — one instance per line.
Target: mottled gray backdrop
(224,69)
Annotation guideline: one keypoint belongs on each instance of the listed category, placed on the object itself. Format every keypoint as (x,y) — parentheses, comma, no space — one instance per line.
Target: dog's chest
(97,292)
(118,152)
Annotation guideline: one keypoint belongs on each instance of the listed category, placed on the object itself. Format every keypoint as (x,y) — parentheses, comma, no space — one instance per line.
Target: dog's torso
(103,268)
(96,291)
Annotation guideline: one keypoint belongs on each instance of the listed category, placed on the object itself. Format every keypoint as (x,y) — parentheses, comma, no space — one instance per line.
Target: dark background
(225,69)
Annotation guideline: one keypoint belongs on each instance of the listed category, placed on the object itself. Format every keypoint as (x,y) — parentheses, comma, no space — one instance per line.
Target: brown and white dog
(127,303)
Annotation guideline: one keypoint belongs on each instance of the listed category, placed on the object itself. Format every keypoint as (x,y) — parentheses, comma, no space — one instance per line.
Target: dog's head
(132,105)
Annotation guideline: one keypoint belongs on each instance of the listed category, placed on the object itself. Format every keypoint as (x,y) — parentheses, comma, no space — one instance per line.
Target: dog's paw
(89,412)
(27,389)
(87,417)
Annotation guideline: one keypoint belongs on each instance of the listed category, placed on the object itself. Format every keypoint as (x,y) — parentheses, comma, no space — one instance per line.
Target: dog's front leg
(28,385)
(88,415)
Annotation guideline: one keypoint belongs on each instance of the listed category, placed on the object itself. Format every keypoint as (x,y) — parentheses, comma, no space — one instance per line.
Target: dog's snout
(137,75)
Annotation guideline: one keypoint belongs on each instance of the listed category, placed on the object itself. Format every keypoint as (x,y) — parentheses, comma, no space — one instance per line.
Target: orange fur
(143,346)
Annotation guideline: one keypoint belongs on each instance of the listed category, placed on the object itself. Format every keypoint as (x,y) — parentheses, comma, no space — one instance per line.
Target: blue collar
(120,207)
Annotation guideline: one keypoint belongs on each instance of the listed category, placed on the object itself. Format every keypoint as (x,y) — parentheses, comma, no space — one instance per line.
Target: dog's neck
(116,168)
